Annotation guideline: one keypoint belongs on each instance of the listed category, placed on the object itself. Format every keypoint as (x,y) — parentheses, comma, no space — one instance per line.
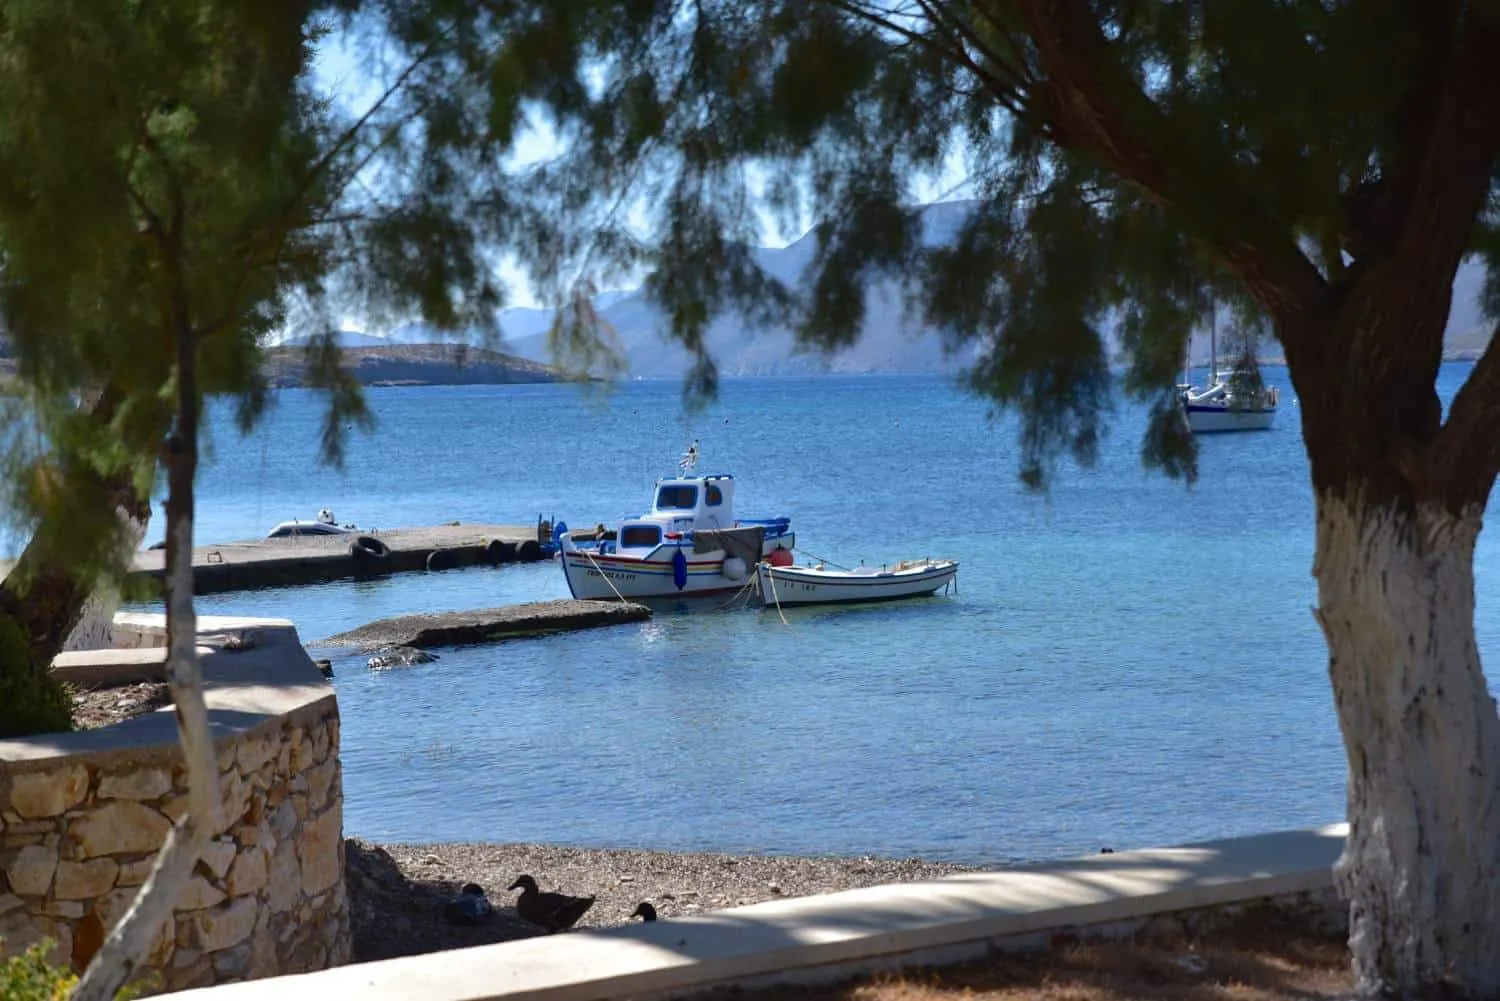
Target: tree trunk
(96,618)
(131,939)
(1421,869)
(49,608)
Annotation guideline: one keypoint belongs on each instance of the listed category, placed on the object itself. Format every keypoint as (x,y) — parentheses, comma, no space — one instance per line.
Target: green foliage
(31,701)
(1286,130)
(30,977)
(172,182)
(169,172)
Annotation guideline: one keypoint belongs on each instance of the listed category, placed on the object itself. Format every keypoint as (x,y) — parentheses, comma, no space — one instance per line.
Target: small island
(414,365)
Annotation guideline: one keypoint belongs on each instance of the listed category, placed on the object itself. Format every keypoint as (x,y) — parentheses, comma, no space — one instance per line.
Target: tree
(172,186)
(86,416)
(1334,161)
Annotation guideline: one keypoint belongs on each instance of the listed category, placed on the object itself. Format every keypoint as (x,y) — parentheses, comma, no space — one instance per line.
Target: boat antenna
(689,458)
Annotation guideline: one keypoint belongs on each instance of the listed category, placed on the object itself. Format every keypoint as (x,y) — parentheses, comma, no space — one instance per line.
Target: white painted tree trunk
(1421,869)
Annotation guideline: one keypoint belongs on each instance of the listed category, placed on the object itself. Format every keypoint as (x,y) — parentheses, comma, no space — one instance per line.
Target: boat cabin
(680,506)
(685,503)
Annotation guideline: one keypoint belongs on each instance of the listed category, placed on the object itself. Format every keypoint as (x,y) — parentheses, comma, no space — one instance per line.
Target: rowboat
(819,585)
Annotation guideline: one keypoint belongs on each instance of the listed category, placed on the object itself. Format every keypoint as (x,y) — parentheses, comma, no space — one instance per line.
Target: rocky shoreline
(397,892)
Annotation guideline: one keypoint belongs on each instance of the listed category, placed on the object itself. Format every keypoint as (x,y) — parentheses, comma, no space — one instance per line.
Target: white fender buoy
(735,568)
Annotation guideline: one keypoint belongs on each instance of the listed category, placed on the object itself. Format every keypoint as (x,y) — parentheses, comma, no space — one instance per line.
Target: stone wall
(82,824)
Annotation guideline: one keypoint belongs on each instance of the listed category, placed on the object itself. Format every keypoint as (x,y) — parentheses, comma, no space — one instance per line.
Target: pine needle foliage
(169,171)
(1267,124)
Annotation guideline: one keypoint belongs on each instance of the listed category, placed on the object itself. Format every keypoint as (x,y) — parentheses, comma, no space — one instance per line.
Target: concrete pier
(537,618)
(239,566)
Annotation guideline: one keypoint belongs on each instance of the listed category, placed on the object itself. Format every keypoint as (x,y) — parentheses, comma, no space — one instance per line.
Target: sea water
(1127,661)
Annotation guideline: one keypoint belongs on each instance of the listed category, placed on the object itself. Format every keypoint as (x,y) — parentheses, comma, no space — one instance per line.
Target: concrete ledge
(947,920)
(255,673)
(104,668)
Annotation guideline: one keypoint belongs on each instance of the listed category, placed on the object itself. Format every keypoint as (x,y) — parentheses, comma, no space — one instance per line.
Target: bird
(470,907)
(552,911)
(644,911)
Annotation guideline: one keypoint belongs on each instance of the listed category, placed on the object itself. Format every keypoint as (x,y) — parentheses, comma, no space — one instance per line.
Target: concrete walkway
(838,934)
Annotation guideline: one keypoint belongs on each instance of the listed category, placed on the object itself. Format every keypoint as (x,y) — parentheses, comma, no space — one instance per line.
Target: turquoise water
(1127,662)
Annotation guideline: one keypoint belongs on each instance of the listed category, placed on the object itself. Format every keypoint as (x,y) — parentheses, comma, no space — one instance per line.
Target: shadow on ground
(392,915)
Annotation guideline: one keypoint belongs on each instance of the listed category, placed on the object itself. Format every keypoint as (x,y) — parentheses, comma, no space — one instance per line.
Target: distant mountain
(414,365)
(889,342)
(344,339)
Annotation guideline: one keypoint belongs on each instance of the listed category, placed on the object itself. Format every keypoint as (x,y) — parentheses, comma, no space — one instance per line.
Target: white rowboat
(817,585)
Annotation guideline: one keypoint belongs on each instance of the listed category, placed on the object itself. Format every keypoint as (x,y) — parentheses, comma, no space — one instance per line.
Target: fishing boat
(820,585)
(1232,402)
(688,543)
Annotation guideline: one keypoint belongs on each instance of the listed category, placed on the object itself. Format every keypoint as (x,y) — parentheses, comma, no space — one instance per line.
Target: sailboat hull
(1217,420)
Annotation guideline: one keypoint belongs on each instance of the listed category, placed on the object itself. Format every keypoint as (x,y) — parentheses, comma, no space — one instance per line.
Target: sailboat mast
(1213,342)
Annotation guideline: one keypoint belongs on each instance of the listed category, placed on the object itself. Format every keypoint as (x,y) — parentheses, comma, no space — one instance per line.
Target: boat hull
(592,576)
(1216,420)
(787,586)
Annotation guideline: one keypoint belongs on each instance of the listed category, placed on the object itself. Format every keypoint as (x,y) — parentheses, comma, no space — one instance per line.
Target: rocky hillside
(415,365)
(890,341)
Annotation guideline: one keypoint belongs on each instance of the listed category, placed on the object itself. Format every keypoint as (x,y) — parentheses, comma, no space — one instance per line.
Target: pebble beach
(397,892)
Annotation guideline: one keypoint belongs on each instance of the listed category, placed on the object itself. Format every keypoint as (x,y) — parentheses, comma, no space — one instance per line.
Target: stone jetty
(535,618)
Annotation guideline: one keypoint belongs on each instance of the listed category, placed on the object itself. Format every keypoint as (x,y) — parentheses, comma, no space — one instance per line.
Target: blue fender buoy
(679,569)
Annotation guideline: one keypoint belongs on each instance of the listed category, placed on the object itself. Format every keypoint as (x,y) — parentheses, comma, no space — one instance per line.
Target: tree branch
(269,242)
(963,34)
(1006,93)
(1431,23)
(1465,458)
(1443,192)
(1098,108)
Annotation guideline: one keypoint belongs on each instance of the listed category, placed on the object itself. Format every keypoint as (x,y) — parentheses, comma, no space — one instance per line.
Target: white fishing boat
(820,585)
(688,543)
(1229,403)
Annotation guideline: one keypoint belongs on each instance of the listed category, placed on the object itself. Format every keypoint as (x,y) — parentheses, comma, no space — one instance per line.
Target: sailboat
(1227,404)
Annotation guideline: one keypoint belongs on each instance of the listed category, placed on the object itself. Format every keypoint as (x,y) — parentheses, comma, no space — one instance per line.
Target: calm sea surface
(1128,662)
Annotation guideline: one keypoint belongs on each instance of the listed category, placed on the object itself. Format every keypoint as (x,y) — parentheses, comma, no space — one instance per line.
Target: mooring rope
(590,556)
(776,598)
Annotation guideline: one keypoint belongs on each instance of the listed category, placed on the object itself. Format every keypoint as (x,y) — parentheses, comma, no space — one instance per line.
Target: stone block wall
(81,830)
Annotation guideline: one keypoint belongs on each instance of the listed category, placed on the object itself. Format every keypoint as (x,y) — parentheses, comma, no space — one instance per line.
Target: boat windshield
(677,496)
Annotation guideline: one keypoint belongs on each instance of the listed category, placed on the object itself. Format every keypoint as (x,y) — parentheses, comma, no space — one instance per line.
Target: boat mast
(1213,342)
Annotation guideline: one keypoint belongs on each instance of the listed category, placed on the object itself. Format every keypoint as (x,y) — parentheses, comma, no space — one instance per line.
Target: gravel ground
(396,892)
(102,706)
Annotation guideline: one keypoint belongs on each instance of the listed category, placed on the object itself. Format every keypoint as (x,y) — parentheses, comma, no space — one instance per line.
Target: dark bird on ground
(552,911)
(644,911)
(470,907)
